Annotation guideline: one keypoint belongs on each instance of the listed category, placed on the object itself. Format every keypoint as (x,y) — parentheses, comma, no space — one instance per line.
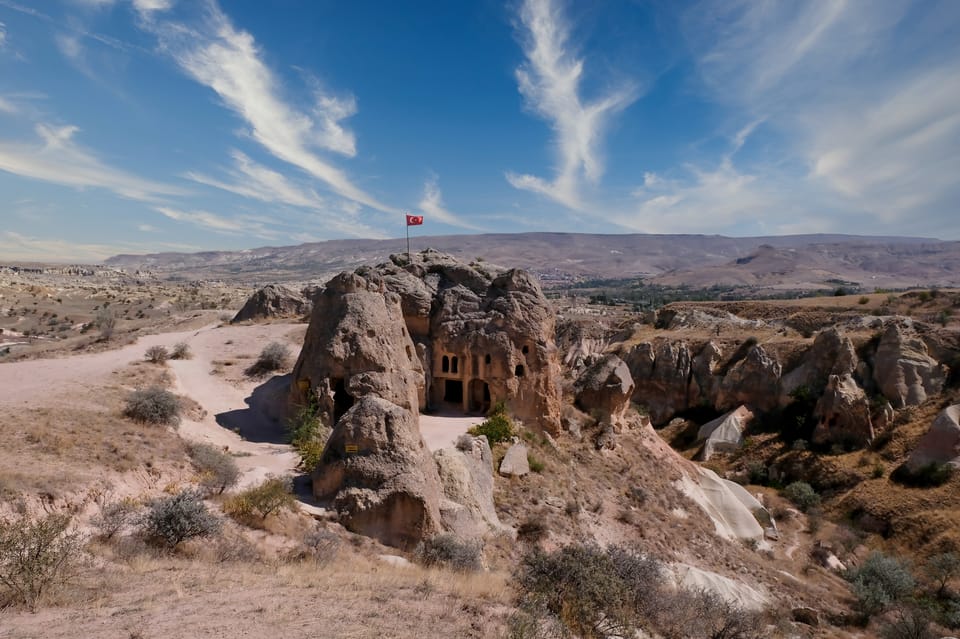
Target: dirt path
(442,431)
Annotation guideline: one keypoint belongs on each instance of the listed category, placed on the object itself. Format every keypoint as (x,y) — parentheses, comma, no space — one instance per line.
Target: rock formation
(843,413)
(273,301)
(379,475)
(940,444)
(754,380)
(903,369)
(515,462)
(604,390)
(466,476)
(725,433)
(661,372)
(832,353)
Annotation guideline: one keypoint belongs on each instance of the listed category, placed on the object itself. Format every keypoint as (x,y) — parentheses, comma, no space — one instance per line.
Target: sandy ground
(442,431)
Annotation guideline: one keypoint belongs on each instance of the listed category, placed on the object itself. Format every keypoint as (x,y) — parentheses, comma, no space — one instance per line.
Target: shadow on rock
(264,419)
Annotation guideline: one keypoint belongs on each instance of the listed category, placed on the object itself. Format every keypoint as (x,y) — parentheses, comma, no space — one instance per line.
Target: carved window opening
(518,371)
(453,364)
(486,359)
(445,364)
(525,349)
(476,364)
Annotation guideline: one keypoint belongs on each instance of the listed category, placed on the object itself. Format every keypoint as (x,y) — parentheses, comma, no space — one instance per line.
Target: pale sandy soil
(442,431)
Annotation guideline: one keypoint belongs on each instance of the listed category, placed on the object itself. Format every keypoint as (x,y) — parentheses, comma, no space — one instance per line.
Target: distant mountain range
(559,259)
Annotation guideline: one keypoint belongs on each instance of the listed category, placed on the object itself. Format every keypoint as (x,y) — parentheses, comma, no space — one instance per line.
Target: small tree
(154,405)
(178,518)
(273,357)
(157,354)
(497,427)
(37,556)
(181,350)
(308,435)
(106,322)
(880,582)
(218,470)
(940,569)
(114,517)
(270,496)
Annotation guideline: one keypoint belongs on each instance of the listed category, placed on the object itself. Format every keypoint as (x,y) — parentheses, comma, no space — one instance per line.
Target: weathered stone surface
(273,300)
(843,413)
(466,476)
(832,353)
(704,378)
(604,390)
(514,463)
(754,381)
(389,487)
(904,371)
(807,616)
(725,433)
(661,373)
(357,345)
(941,443)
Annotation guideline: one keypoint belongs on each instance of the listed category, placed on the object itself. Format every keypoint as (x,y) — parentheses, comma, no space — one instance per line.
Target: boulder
(843,413)
(378,474)
(725,433)
(940,444)
(806,616)
(273,301)
(356,345)
(754,381)
(466,476)
(832,353)
(604,390)
(515,463)
(903,369)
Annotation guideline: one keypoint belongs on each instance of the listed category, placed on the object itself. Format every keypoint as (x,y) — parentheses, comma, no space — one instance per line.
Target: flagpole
(407,226)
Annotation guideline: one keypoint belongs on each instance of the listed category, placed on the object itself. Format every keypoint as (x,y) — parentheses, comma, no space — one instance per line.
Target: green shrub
(863,300)
(157,354)
(448,550)
(802,495)
(154,405)
(218,470)
(880,582)
(941,569)
(308,435)
(36,556)
(273,357)
(270,496)
(930,475)
(536,465)
(498,426)
(171,520)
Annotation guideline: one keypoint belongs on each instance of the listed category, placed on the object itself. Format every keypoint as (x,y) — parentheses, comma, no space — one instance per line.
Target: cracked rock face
(273,300)
(940,444)
(605,388)
(843,413)
(903,369)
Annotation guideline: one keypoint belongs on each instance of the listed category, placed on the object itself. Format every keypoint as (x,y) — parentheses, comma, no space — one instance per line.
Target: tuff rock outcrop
(940,444)
(661,372)
(466,476)
(515,462)
(832,353)
(903,369)
(843,413)
(273,301)
(604,390)
(725,433)
(379,475)
(754,380)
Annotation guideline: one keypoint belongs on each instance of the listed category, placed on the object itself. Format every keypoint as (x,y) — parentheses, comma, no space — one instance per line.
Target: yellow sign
(351,448)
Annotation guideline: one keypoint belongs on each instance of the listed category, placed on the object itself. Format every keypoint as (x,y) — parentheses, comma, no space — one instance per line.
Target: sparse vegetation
(106,323)
(153,405)
(157,355)
(927,476)
(802,495)
(880,582)
(308,435)
(446,549)
(256,503)
(181,350)
(273,357)
(218,470)
(36,556)
(177,518)
(498,427)
(114,517)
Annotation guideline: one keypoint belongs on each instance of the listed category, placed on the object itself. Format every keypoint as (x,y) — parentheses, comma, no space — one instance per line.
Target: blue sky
(152,125)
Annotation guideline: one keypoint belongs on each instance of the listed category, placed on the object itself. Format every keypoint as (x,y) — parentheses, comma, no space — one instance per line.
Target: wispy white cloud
(255,181)
(57,158)
(17,246)
(147,228)
(239,225)
(3,35)
(6,106)
(432,205)
(549,81)
(149,6)
(229,61)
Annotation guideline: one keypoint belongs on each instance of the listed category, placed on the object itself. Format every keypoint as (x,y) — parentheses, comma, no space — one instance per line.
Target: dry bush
(157,354)
(181,350)
(37,556)
(153,405)
(114,517)
(218,470)
(171,520)
(256,503)
(273,357)
(446,549)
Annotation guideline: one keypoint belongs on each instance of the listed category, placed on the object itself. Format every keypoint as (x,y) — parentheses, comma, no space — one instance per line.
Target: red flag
(414,220)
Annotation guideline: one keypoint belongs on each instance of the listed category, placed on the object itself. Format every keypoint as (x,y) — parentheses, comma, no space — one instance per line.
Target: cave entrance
(453,391)
(479,396)
(342,400)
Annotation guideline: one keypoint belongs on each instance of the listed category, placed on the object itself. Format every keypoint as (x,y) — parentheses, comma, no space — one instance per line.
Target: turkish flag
(414,220)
